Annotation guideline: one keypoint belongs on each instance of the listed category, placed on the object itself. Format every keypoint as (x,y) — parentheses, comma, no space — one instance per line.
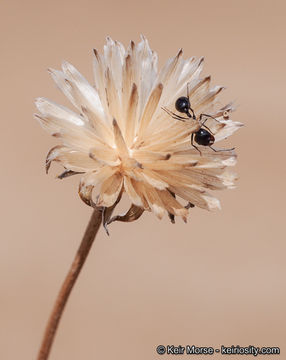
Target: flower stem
(77,264)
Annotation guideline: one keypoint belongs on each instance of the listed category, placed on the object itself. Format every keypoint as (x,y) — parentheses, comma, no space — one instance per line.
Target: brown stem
(78,262)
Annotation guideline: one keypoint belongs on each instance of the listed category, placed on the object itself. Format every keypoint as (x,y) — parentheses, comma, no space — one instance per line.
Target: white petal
(133,195)
(113,56)
(229,128)
(49,108)
(71,159)
(110,190)
(87,94)
(212,202)
(100,175)
(62,83)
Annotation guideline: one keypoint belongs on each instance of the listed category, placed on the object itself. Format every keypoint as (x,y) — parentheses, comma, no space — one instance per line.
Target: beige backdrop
(220,279)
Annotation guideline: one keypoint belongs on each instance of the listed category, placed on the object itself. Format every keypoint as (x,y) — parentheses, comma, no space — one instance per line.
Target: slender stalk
(72,275)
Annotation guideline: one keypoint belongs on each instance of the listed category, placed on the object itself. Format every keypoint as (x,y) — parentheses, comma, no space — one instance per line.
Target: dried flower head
(120,140)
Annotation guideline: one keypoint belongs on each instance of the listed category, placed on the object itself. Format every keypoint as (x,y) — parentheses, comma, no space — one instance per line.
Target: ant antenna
(208,116)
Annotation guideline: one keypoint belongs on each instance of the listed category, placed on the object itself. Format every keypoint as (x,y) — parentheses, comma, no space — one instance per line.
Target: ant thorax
(197,124)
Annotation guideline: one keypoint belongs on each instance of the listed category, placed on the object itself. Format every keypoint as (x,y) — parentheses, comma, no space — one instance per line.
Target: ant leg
(175,116)
(203,125)
(193,113)
(192,142)
(218,150)
(209,116)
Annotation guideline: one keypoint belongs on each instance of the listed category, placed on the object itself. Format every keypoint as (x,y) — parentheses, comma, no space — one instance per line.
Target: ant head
(183,105)
(204,137)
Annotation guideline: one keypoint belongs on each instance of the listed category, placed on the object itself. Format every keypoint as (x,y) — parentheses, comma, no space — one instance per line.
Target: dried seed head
(120,140)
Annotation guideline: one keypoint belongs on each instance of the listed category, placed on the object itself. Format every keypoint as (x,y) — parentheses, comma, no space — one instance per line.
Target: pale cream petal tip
(126,134)
(213,203)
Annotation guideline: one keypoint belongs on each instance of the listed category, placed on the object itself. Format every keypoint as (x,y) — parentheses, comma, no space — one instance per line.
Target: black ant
(201,136)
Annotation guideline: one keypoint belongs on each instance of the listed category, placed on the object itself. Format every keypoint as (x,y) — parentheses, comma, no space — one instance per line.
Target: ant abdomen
(204,137)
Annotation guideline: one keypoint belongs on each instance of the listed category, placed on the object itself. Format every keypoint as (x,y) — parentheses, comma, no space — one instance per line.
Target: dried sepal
(52,156)
(85,193)
(68,173)
(107,213)
(131,215)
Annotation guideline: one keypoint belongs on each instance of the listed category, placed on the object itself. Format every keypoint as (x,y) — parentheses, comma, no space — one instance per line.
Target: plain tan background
(220,279)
